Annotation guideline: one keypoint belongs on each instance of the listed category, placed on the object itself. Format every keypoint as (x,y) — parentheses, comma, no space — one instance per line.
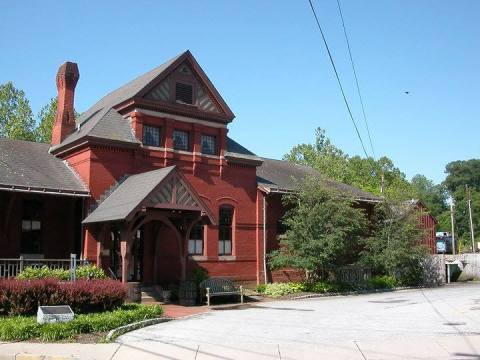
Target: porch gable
(164,188)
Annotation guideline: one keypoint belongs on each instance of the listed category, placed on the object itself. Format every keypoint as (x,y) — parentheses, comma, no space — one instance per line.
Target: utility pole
(382,185)
(469,202)
(452,218)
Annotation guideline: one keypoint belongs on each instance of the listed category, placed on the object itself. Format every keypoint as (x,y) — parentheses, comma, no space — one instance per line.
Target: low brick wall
(288,275)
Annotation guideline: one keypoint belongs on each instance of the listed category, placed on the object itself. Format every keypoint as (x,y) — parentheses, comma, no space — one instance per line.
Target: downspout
(265,238)
(82,212)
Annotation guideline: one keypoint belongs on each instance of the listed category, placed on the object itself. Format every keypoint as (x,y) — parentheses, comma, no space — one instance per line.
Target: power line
(337,76)
(356,78)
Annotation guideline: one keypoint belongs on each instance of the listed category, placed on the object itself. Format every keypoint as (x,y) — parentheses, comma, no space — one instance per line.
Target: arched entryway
(144,224)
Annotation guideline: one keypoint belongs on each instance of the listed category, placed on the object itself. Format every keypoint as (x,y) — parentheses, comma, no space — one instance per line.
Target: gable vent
(183,93)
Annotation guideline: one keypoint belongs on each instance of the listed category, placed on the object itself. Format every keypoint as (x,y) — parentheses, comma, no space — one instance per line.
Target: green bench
(220,287)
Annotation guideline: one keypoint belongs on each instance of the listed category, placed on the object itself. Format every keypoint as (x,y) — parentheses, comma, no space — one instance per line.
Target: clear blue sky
(268,62)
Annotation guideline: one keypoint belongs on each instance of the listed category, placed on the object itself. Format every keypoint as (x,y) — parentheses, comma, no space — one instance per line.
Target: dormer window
(184,93)
(151,135)
(180,140)
(209,145)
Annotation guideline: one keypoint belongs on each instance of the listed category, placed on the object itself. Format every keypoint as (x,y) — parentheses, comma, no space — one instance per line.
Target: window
(180,140)
(31,228)
(225,231)
(184,93)
(209,145)
(151,135)
(195,241)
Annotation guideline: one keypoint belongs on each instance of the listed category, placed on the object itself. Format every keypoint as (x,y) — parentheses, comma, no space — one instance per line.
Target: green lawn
(20,328)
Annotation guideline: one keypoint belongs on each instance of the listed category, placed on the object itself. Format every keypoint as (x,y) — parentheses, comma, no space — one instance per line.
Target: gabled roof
(28,166)
(419,204)
(104,121)
(284,176)
(164,188)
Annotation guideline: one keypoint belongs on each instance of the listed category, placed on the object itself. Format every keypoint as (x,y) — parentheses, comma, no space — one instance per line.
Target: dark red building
(146,183)
(427,222)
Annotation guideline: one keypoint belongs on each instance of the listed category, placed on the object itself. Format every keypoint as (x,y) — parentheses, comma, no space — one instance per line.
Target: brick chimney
(67,77)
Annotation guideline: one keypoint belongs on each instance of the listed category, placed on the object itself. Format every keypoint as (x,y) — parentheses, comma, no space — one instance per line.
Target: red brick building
(427,222)
(146,183)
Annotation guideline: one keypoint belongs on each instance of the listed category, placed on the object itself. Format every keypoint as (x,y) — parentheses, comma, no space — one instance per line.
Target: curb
(360,292)
(113,334)
(35,357)
(134,326)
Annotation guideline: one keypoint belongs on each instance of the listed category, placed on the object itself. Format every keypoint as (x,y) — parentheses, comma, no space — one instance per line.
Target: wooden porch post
(125,252)
(100,242)
(183,260)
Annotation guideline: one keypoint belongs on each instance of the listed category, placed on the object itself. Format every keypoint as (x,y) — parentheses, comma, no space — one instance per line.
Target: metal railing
(353,274)
(10,268)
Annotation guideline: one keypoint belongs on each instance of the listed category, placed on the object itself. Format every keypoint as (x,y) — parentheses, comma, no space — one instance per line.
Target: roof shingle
(102,121)
(126,197)
(30,165)
(280,176)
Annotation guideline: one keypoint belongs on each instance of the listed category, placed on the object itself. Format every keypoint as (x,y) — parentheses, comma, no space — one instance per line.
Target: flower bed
(20,328)
(22,297)
(277,290)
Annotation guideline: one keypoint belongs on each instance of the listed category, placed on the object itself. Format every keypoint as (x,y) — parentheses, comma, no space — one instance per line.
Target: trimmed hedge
(44,272)
(21,328)
(22,297)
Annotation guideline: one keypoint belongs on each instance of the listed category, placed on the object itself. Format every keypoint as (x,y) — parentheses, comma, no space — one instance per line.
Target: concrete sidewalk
(446,347)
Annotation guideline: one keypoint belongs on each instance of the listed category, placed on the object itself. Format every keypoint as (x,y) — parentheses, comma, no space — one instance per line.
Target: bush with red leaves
(22,297)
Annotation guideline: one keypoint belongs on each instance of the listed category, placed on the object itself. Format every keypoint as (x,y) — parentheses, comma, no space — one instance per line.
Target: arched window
(195,241)
(225,230)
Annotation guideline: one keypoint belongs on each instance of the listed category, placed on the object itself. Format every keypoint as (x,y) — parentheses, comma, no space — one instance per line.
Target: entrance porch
(142,228)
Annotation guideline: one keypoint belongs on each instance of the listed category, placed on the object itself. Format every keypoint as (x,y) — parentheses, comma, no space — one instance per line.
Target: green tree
(323,230)
(395,248)
(461,173)
(323,156)
(433,196)
(16,118)
(364,173)
(46,119)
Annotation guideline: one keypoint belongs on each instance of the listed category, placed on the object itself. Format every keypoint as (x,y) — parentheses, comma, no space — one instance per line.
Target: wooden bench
(220,287)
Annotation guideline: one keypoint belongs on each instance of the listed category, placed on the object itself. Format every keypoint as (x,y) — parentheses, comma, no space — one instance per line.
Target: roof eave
(44,190)
(243,159)
(279,190)
(177,109)
(91,140)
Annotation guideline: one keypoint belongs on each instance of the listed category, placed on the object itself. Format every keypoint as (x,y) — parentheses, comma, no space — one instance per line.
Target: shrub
(281,289)
(21,297)
(44,272)
(321,287)
(396,246)
(90,271)
(23,328)
(324,230)
(261,288)
(381,282)
(199,274)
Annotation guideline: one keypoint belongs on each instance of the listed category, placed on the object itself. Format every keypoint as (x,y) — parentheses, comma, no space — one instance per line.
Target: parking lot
(439,323)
